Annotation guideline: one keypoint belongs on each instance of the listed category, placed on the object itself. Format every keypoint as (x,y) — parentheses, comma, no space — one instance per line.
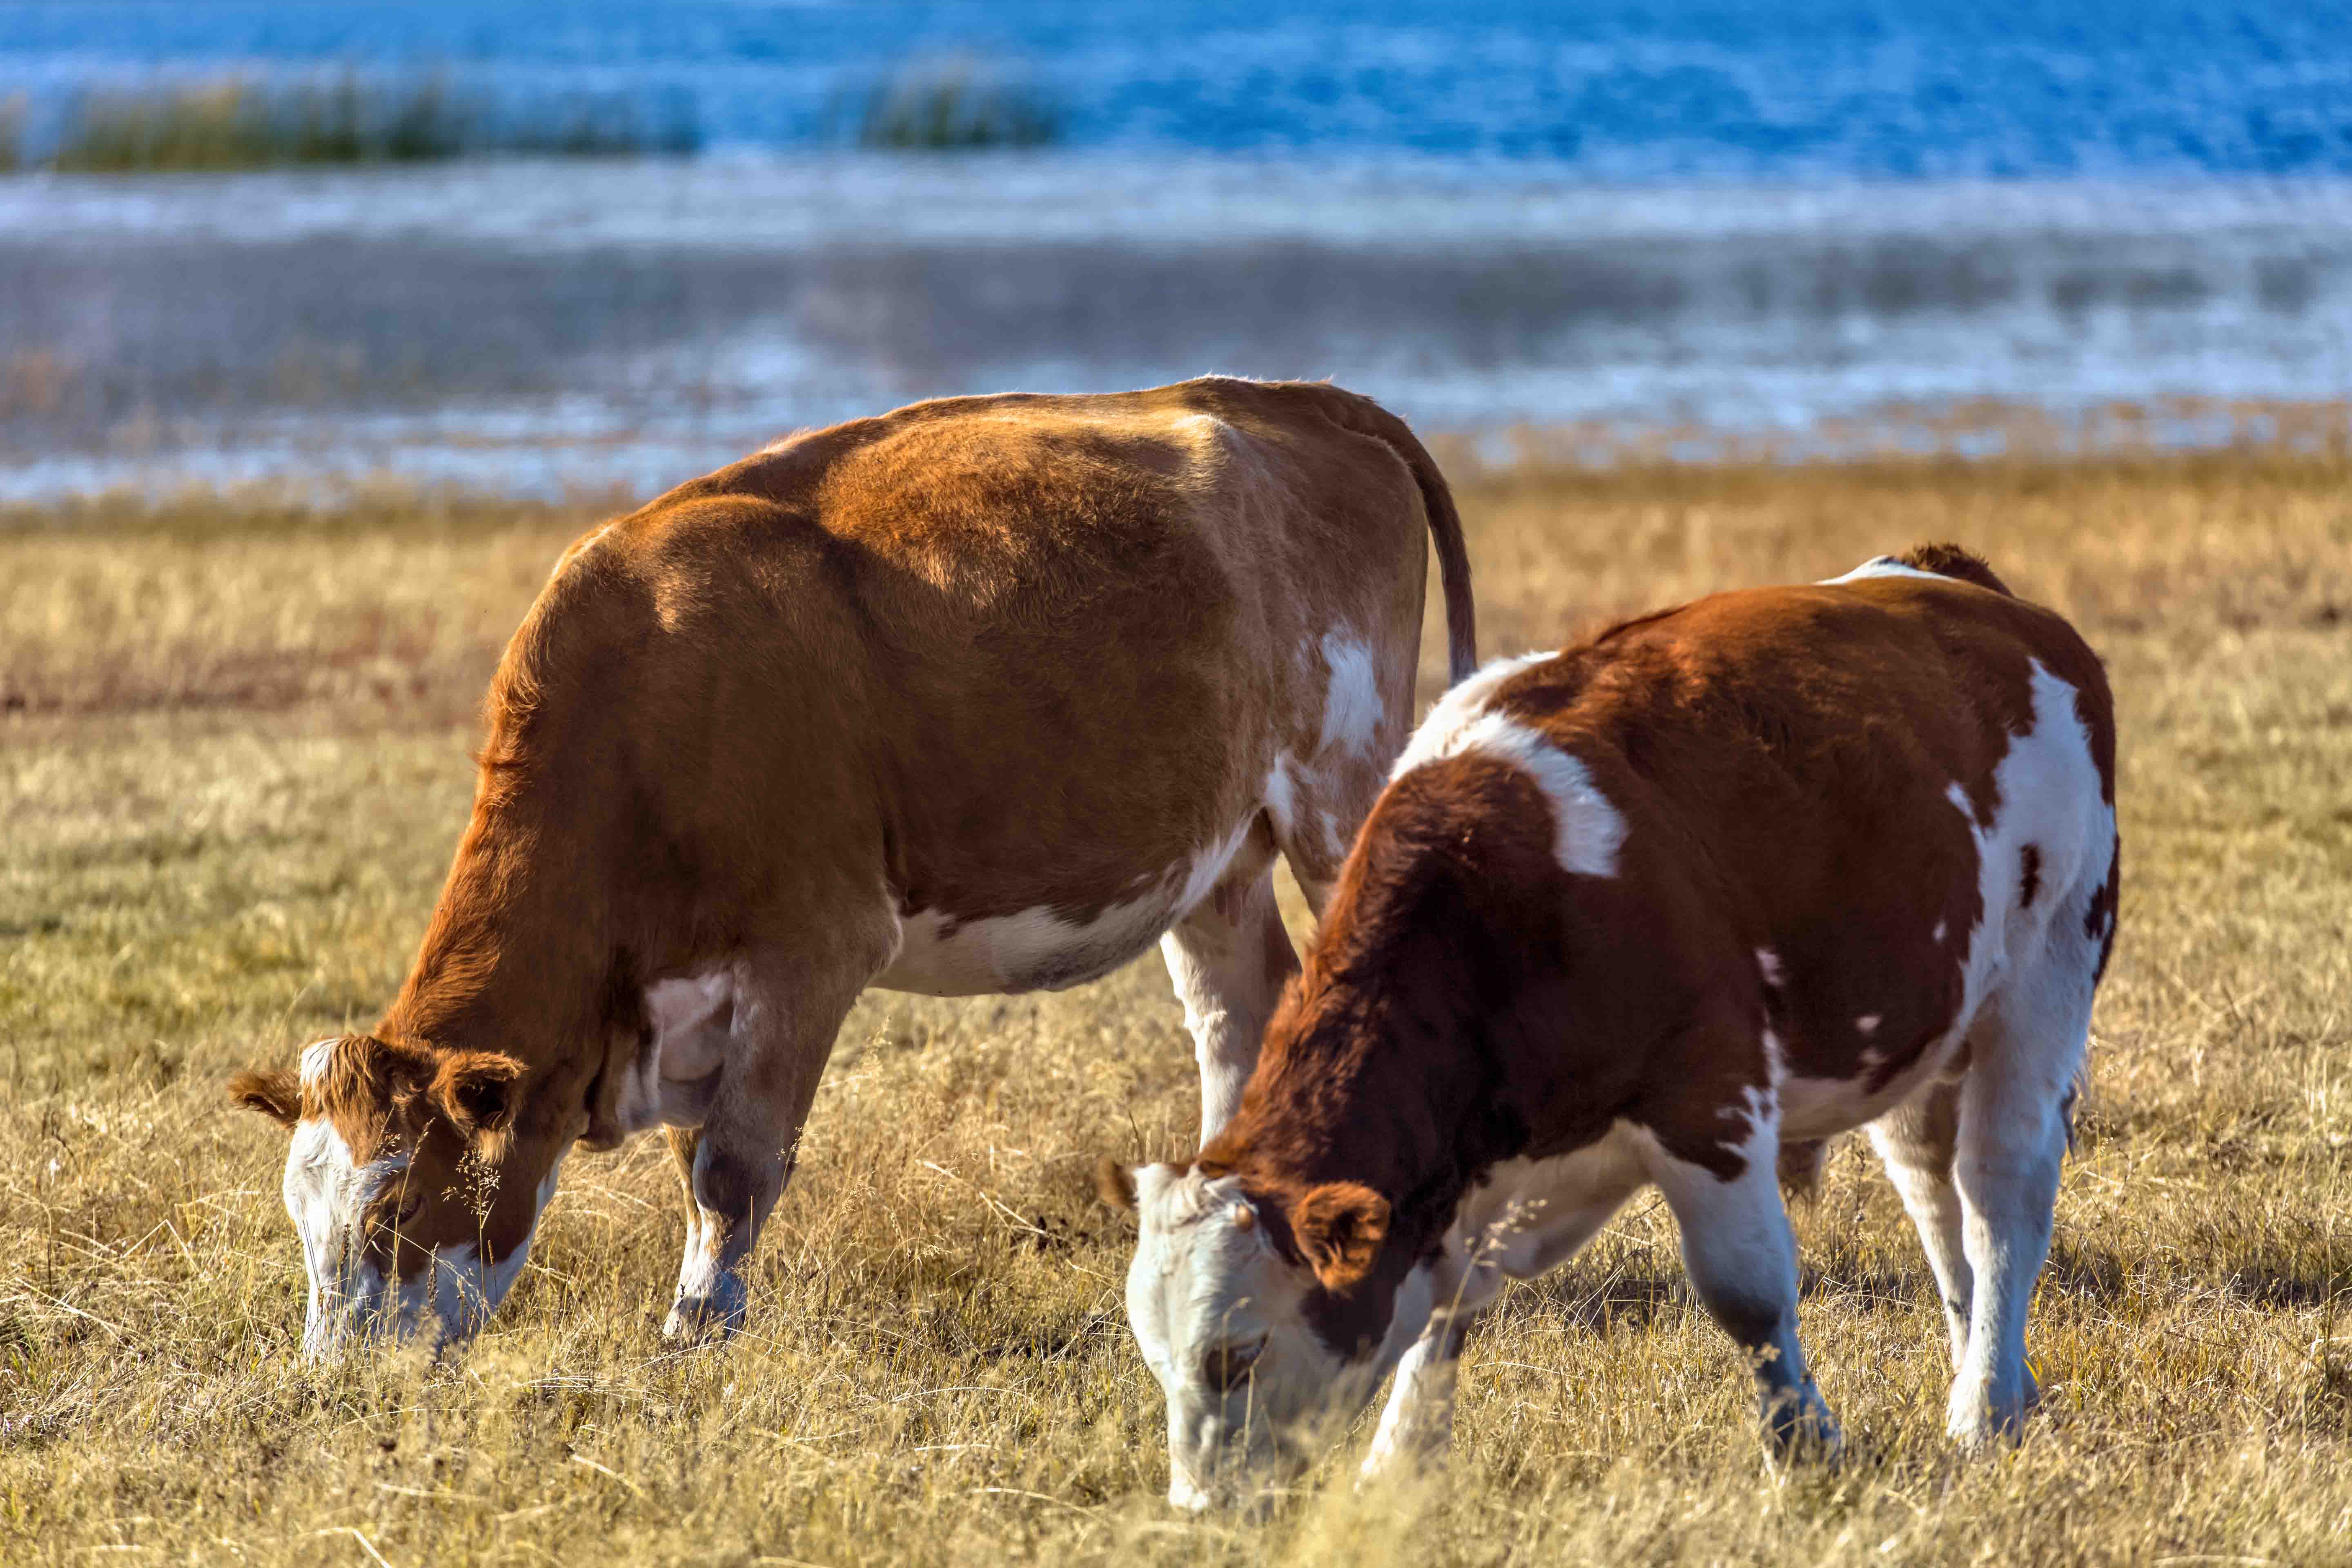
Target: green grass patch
(247,123)
(952,106)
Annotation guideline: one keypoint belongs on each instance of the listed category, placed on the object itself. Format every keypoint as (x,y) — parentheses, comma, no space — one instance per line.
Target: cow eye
(410,1208)
(1227,1366)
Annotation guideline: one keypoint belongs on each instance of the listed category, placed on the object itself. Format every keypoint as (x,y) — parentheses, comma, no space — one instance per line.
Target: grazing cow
(985,695)
(1743,874)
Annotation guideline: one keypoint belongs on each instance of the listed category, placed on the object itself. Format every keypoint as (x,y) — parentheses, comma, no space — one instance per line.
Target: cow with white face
(986,695)
(1716,886)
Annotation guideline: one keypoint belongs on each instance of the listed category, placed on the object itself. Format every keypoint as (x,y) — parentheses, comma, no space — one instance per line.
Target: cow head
(413,1198)
(1264,1316)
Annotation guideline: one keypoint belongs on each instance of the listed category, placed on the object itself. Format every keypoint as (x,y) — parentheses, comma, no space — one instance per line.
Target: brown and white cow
(1743,874)
(984,695)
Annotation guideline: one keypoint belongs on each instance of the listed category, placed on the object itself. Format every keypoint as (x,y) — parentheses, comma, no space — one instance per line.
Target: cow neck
(519,951)
(1383,1082)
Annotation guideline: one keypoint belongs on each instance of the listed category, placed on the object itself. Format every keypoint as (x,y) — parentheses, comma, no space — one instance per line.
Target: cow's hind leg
(1229,958)
(1916,1141)
(735,1165)
(1741,1257)
(2025,1050)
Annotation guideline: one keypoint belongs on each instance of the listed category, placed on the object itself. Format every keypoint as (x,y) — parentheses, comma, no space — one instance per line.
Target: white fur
(673,1076)
(1458,708)
(1224,969)
(2029,976)
(1886,566)
(1353,709)
(1037,948)
(1588,831)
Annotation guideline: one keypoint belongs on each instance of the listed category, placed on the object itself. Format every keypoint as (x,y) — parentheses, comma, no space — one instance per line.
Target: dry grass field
(233,763)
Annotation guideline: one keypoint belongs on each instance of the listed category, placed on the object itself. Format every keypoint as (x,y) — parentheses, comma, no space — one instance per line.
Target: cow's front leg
(735,1164)
(1229,958)
(1417,1427)
(729,1195)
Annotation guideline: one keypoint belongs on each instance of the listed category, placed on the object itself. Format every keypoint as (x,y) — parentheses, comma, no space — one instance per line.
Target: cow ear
(1339,1226)
(475,1090)
(274,1092)
(1115,1185)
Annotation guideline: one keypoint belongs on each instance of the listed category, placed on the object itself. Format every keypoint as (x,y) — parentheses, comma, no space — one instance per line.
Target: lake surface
(1639,217)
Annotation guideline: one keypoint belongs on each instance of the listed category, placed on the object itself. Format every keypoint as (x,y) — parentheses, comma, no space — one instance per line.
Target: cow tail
(1362,415)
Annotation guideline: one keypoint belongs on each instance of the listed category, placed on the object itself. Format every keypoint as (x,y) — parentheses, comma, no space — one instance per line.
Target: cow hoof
(1806,1436)
(1977,1426)
(713,1317)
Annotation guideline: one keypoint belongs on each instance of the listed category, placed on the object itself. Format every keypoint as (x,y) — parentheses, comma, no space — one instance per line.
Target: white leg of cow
(1417,1424)
(2024,1051)
(1741,1257)
(787,1014)
(1229,958)
(1916,1141)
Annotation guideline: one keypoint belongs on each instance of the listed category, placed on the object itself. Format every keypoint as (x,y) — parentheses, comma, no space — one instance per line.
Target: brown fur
(1781,757)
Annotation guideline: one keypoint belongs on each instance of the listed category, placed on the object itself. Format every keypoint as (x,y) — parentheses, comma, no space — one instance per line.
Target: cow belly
(1035,950)
(942,955)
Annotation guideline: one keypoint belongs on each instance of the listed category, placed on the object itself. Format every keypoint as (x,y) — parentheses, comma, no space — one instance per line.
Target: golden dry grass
(232,764)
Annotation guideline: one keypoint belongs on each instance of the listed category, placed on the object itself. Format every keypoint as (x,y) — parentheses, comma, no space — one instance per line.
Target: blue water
(1617,90)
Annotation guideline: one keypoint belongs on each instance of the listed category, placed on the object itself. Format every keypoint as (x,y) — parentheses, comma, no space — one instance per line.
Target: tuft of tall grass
(954,105)
(243,123)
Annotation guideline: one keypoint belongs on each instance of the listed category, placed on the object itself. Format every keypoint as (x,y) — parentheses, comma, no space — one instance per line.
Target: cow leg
(1741,1257)
(2024,1051)
(1417,1424)
(683,1142)
(1229,958)
(1916,1141)
(735,1165)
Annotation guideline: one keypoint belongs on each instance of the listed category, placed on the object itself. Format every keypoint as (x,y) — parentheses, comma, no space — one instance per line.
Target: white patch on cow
(1884,567)
(1587,830)
(687,1021)
(1776,1056)
(1040,950)
(1353,709)
(1867,1024)
(314,1060)
(2047,785)
(1281,794)
(326,1194)
(1768,964)
(1938,935)
(1459,707)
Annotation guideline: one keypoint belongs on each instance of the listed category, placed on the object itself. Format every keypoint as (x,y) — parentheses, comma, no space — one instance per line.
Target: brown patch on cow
(2029,880)
(1782,759)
